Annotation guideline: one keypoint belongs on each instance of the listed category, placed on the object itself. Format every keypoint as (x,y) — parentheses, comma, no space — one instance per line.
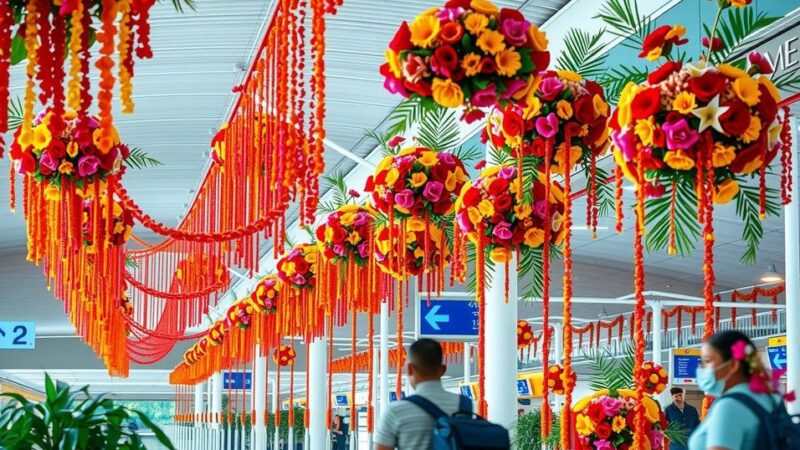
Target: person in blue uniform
(683,414)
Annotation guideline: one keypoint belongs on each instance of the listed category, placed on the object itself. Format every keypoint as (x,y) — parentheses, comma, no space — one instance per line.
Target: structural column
(259,397)
(317,392)
(216,400)
(557,341)
(657,331)
(500,358)
(384,359)
(792,236)
(467,361)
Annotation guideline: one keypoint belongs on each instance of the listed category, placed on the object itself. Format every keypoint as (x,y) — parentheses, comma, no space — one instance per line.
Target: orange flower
(725,192)
(753,130)
(491,42)
(723,154)
(538,38)
(475,23)
(564,109)
(471,64)
(508,62)
(484,7)
(65,168)
(678,160)
(424,30)
(447,93)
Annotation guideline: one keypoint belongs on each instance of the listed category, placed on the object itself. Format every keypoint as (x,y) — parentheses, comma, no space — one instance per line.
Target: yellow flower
(424,30)
(739,3)
(471,64)
(618,424)
(584,425)
(310,257)
(725,192)
(428,159)
(474,215)
(532,109)
(491,42)
(392,176)
(538,38)
(25,139)
(654,378)
(72,149)
(393,59)
(450,182)
(534,237)
(746,89)
(486,208)
(52,192)
(569,75)
(66,168)
(354,238)
(663,372)
(676,31)
(723,154)
(600,106)
(328,234)
(529,91)
(500,254)
(574,154)
(508,62)
(678,160)
(418,179)
(484,7)
(731,71)
(773,91)
(475,23)
(624,103)
(419,253)
(347,219)
(522,210)
(654,54)
(447,93)
(41,137)
(644,129)
(684,102)
(753,130)
(564,109)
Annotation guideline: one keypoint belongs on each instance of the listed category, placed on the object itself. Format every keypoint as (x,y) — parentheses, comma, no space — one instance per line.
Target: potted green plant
(70,419)
(528,433)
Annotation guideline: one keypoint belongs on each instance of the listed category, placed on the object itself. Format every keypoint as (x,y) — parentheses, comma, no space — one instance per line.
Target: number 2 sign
(17,335)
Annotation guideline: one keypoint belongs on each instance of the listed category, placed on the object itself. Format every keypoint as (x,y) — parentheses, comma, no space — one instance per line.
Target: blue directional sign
(17,335)
(523,388)
(777,357)
(237,380)
(393,395)
(448,318)
(685,362)
(343,400)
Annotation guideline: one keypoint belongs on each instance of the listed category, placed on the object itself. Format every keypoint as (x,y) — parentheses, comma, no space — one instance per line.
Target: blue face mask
(707,380)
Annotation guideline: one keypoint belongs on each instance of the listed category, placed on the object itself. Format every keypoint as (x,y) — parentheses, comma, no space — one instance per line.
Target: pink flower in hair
(758,385)
(739,350)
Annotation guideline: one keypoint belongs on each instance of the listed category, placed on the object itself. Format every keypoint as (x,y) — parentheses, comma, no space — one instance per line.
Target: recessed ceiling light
(771,275)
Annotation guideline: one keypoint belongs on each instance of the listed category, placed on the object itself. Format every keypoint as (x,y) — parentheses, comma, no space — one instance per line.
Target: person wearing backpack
(433,418)
(747,413)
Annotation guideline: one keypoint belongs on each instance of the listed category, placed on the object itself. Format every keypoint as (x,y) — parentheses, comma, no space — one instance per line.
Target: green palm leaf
(788,81)
(584,53)
(734,28)
(131,263)
(608,372)
(381,139)
(404,116)
(179,5)
(657,220)
(15,113)
(339,191)
(615,80)
(439,130)
(139,159)
(747,208)
(624,20)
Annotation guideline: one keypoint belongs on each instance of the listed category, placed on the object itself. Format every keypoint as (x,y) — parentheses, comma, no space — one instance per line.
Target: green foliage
(584,53)
(139,159)
(615,80)
(747,208)
(299,426)
(69,419)
(607,372)
(788,81)
(380,138)
(439,130)
(734,27)
(527,433)
(605,191)
(15,113)
(405,115)
(676,434)
(179,5)
(624,20)
(657,220)
(130,263)
(340,192)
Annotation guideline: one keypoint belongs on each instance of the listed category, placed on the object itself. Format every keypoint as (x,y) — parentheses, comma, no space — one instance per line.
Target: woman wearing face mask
(731,366)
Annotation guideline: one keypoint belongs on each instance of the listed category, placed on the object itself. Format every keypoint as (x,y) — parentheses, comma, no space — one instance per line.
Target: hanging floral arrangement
(388,243)
(122,225)
(565,106)
(524,334)
(558,380)
(655,378)
(264,298)
(605,421)
(284,355)
(239,314)
(216,334)
(466,53)
(298,267)
(345,235)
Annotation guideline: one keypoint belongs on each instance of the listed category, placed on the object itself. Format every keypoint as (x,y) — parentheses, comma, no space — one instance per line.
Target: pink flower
(759,63)
(67,7)
(547,126)
(338,249)
(739,350)
(515,31)
(484,97)
(716,45)
(414,68)
(550,87)
(404,199)
(298,279)
(680,135)
(433,191)
(48,164)
(463,222)
(502,231)
(602,444)
(363,249)
(360,220)
(625,142)
(512,87)
(539,208)
(395,141)
(611,405)
(450,14)
(656,439)
(507,172)
(447,158)
(87,166)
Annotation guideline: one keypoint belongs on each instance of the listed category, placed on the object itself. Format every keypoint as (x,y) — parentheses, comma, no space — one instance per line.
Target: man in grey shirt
(404,425)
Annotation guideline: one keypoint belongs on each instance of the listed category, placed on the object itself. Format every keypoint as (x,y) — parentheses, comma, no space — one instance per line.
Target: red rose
(664,71)
(654,190)
(497,218)
(439,172)
(518,235)
(584,108)
(707,86)
(57,149)
(300,265)
(107,159)
(596,413)
(596,130)
(766,106)
(442,206)
(488,65)
(497,186)
(594,88)
(402,39)
(540,59)
(511,14)
(656,39)
(659,137)
(743,157)
(512,123)
(421,87)
(27,163)
(646,103)
(395,141)
(603,430)
(458,4)
(502,203)
(716,44)
(472,197)
(498,140)
(339,235)
(320,233)
(736,119)
(444,60)
(451,32)
(536,148)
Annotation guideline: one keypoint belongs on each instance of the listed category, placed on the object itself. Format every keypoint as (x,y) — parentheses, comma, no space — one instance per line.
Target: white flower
(774,132)
(698,68)
(709,115)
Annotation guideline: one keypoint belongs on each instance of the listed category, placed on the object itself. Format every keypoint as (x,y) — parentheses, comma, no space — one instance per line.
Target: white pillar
(276,399)
(500,358)
(384,359)
(198,403)
(216,399)
(556,358)
(318,391)
(375,402)
(791,232)
(657,328)
(259,398)
(467,361)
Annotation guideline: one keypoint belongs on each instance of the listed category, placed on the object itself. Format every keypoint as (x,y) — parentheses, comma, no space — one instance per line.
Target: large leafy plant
(70,419)
(528,432)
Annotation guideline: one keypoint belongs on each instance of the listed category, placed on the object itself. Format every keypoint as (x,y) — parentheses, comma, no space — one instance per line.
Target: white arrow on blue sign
(17,335)
(452,318)
(777,357)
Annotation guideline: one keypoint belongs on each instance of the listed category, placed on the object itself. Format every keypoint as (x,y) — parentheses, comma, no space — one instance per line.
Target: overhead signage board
(776,351)
(684,362)
(393,395)
(342,400)
(780,44)
(17,335)
(452,318)
(530,385)
(237,380)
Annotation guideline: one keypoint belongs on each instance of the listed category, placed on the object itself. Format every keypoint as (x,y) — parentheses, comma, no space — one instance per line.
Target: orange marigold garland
(655,378)
(558,379)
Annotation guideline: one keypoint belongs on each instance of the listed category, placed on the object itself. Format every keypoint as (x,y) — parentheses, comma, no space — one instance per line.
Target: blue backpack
(463,430)
(778,430)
